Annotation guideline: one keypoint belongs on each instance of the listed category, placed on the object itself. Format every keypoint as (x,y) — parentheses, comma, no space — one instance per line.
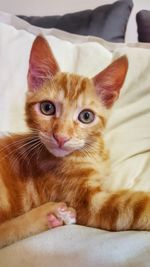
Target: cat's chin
(59,152)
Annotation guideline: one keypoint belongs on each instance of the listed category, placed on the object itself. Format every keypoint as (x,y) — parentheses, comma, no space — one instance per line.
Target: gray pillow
(143,25)
(108,21)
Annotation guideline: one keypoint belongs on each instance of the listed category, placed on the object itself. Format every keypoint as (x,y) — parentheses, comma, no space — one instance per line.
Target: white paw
(67,216)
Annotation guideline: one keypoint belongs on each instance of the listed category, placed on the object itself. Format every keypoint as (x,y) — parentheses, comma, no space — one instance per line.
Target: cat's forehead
(71,86)
(67,89)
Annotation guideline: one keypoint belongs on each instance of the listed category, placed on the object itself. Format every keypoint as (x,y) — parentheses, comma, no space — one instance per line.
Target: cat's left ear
(42,64)
(109,82)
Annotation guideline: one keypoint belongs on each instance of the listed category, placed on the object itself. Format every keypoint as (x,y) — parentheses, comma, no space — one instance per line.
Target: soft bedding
(127,135)
(78,246)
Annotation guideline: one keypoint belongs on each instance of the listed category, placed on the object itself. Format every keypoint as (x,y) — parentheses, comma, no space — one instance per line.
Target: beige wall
(49,7)
(46,7)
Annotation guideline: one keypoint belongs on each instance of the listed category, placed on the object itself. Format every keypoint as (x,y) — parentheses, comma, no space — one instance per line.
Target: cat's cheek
(37,108)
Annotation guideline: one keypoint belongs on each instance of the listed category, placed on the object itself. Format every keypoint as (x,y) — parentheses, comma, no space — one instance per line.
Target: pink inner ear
(42,64)
(109,82)
(34,78)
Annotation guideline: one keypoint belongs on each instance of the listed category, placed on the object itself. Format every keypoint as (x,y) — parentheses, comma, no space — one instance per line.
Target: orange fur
(37,170)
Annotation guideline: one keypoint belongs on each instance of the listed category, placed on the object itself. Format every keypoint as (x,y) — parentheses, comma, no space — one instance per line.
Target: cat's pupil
(86,115)
(48,107)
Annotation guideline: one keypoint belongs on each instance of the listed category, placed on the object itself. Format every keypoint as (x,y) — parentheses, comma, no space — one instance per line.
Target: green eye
(86,116)
(47,108)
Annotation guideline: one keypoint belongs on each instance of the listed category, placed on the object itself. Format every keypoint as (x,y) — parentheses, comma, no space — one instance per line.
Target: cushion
(127,137)
(78,246)
(143,25)
(107,21)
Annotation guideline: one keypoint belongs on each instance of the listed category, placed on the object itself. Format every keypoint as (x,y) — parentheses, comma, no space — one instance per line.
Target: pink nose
(61,140)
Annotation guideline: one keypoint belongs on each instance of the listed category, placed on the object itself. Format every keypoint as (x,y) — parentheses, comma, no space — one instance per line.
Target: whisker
(40,151)
(33,147)
(25,154)
(16,142)
(16,146)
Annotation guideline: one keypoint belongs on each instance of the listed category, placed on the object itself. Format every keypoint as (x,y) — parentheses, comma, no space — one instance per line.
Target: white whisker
(23,154)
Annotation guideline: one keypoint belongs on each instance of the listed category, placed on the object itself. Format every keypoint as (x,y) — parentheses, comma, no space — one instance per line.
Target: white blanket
(78,246)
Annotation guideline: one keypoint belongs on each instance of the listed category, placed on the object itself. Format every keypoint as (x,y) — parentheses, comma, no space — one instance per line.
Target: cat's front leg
(115,211)
(37,220)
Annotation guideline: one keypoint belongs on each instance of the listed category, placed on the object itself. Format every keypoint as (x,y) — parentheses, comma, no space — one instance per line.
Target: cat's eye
(86,116)
(47,108)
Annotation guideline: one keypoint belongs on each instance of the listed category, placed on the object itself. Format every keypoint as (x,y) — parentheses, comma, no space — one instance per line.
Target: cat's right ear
(109,82)
(42,64)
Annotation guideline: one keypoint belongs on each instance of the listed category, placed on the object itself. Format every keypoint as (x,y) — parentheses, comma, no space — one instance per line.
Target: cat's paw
(61,215)
(50,215)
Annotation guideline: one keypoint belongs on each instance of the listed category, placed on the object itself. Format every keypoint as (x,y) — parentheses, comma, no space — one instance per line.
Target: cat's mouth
(58,151)
(55,149)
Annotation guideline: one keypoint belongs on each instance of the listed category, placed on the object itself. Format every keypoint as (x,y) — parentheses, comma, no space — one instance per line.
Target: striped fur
(35,183)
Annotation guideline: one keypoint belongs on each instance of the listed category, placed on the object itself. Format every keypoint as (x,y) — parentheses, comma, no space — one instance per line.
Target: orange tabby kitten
(63,157)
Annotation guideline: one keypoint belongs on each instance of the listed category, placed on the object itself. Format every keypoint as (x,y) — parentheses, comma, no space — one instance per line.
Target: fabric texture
(143,25)
(78,246)
(107,21)
(127,137)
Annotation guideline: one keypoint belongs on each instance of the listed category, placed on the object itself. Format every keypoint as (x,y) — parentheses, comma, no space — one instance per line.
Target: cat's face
(68,111)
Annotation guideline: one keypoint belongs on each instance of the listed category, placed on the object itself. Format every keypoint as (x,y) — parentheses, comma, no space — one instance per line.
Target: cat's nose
(60,139)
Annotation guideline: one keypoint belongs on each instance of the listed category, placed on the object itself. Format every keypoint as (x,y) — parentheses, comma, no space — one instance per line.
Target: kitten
(57,173)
